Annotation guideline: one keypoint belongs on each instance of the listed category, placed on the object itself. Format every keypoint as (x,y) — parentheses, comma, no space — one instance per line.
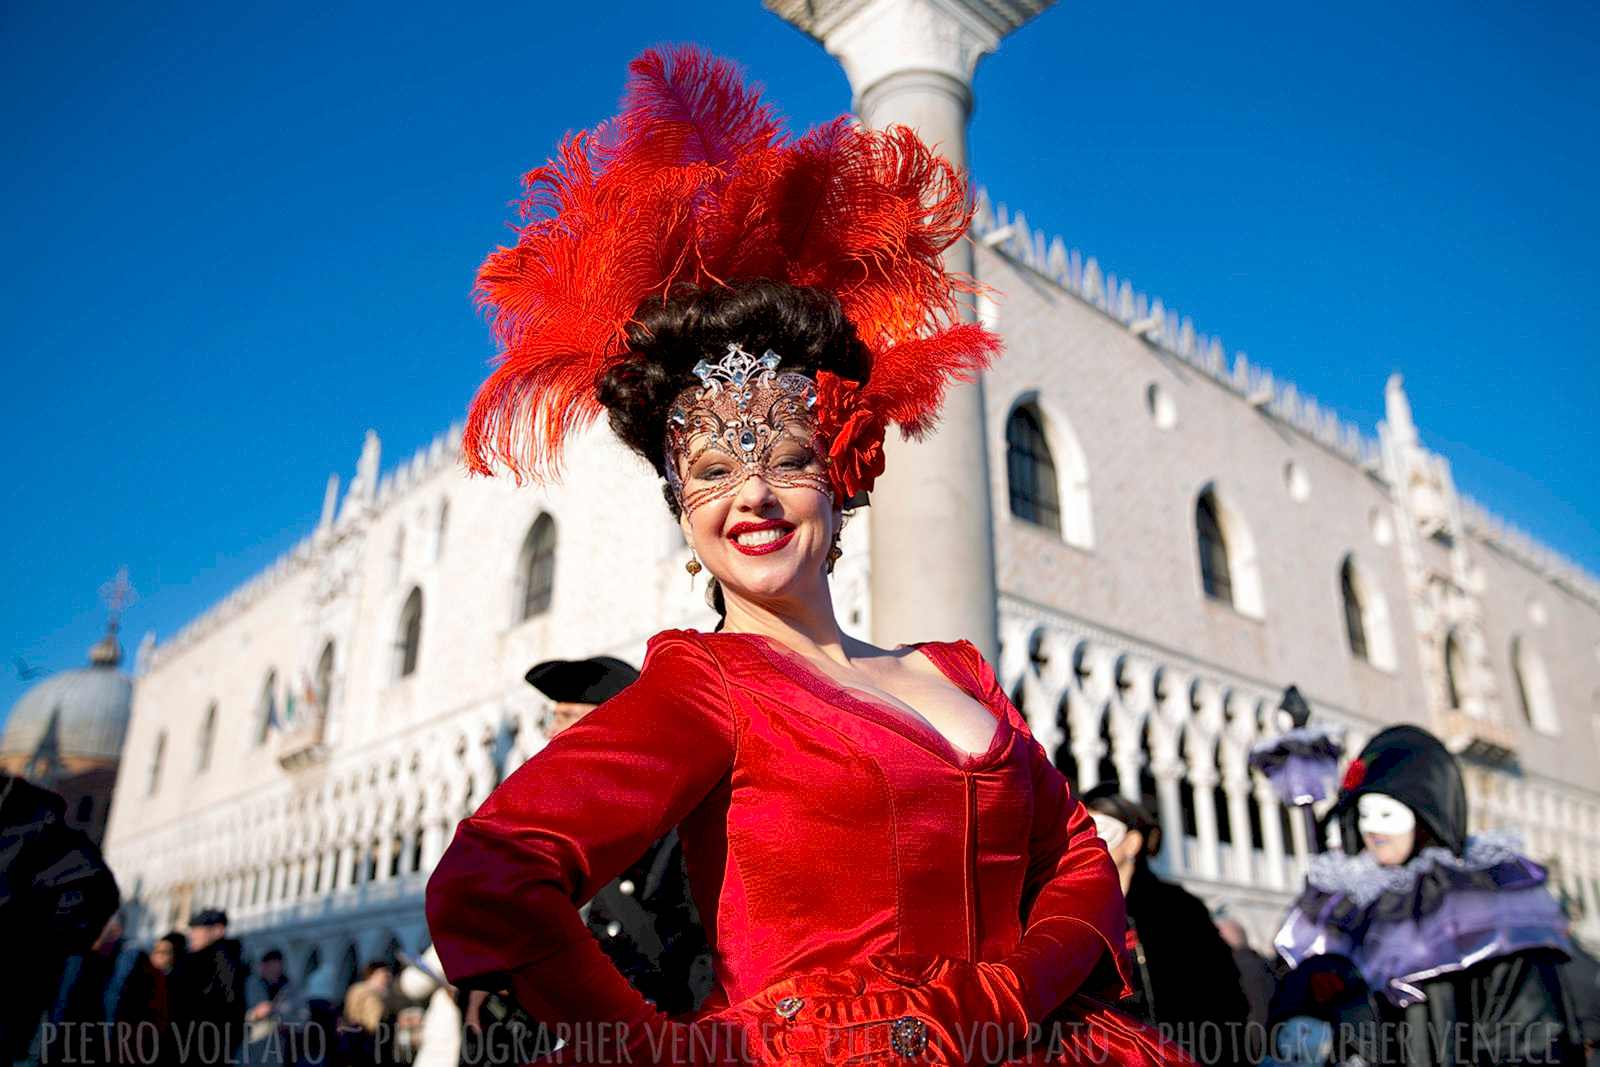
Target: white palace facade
(1176,537)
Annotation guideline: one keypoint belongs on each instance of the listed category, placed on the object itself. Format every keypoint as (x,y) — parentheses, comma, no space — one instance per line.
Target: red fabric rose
(1326,987)
(853,434)
(1354,775)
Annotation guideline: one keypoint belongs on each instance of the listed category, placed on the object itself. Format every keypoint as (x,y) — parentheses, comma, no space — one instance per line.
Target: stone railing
(1177,733)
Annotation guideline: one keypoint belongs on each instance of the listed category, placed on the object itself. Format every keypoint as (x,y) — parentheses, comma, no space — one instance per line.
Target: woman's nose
(754,493)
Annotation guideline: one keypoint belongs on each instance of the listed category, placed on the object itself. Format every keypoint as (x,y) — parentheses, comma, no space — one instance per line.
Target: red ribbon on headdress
(695,181)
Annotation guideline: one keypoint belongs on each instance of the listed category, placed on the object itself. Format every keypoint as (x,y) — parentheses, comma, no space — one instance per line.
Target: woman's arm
(502,903)
(1074,915)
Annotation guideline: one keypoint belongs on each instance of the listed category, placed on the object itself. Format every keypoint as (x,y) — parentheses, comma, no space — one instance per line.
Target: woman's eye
(795,462)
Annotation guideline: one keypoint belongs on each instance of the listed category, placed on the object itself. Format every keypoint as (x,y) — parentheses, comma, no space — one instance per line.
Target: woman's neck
(804,623)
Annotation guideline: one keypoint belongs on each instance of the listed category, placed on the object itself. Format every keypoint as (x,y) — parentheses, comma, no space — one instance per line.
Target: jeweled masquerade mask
(745,417)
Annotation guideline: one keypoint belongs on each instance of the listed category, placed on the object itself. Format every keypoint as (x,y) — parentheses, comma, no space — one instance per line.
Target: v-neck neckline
(919,730)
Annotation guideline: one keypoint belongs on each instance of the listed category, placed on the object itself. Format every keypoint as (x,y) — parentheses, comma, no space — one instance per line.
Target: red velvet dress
(850,865)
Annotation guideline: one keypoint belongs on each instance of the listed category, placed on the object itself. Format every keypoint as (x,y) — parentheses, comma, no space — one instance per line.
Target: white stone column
(911,62)
(1267,804)
(1168,771)
(344,874)
(385,852)
(1302,844)
(1200,751)
(1087,748)
(1236,787)
(433,839)
(1233,756)
(1202,781)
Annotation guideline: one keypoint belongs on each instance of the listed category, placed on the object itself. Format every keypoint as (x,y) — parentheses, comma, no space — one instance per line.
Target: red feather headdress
(697,181)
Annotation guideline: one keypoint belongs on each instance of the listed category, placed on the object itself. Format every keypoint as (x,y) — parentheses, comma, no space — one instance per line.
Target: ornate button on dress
(872,893)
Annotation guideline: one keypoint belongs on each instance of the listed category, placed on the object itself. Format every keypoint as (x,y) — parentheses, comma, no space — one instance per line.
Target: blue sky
(237,236)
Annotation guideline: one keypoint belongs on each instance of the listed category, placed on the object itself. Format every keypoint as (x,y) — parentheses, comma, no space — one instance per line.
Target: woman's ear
(1131,847)
(683,524)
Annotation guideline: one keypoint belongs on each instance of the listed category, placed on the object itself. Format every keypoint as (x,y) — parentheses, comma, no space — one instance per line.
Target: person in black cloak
(1186,982)
(56,894)
(209,1013)
(1457,937)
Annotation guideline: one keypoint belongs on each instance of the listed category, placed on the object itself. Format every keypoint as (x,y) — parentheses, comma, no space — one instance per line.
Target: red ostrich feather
(696,181)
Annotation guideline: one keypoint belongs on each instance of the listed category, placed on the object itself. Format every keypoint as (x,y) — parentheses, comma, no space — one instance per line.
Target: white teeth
(752,538)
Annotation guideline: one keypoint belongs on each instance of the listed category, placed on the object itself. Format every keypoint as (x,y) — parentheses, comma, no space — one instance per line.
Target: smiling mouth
(759,538)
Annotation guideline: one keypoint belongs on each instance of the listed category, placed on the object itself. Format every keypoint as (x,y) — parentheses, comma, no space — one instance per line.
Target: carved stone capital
(877,39)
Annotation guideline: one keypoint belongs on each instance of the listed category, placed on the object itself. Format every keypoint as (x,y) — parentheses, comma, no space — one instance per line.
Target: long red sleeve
(502,903)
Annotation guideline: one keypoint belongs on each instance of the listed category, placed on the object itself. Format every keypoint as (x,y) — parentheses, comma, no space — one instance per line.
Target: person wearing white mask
(1455,936)
(1186,980)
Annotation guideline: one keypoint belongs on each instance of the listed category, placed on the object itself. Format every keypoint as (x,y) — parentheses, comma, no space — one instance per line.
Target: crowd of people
(192,997)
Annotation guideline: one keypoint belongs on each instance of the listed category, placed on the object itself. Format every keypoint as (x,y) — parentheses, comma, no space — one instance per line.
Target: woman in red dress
(886,861)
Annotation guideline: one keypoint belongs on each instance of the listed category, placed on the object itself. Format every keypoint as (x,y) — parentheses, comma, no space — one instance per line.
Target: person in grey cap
(644,919)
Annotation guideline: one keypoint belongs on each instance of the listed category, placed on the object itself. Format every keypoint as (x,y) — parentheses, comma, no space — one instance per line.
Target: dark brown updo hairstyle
(806,328)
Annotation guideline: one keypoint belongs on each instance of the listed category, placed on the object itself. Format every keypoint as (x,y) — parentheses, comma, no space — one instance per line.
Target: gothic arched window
(267,707)
(1216,574)
(324,682)
(1030,470)
(156,759)
(1533,688)
(208,734)
(408,639)
(536,569)
(1454,669)
(1354,624)
(1366,616)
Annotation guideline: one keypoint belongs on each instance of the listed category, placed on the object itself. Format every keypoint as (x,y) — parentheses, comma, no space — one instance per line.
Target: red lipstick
(751,527)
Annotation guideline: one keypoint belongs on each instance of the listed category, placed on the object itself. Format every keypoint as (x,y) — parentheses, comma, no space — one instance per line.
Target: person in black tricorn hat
(1456,936)
(645,918)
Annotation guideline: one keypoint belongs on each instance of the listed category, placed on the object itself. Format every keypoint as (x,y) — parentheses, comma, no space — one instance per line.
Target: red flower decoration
(852,432)
(1354,775)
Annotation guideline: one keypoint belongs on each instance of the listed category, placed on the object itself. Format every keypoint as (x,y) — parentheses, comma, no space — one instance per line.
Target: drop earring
(693,566)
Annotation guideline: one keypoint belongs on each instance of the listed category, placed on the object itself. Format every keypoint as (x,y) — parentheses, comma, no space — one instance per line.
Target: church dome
(87,709)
